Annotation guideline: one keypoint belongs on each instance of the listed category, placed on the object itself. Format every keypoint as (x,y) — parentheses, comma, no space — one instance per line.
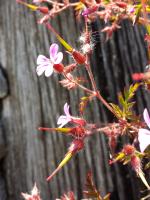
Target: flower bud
(58,67)
(79,121)
(112,142)
(136,163)
(128,149)
(70,68)
(76,146)
(121,4)
(137,76)
(78,132)
(79,58)
(43,10)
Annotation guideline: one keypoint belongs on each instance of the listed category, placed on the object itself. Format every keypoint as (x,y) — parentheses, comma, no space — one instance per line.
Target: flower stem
(99,96)
(88,68)
(87,65)
(79,85)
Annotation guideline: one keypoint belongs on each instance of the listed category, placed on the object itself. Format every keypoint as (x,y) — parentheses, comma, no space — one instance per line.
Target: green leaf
(130,105)
(117,110)
(125,110)
(121,99)
(125,102)
(132,90)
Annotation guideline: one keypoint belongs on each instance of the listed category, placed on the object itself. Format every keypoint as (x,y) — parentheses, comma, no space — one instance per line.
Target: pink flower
(90,10)
(37,1)
(64,119)
(144,134)
(45,64)
(34,194)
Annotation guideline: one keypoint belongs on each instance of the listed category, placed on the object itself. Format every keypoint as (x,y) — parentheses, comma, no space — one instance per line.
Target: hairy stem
(88,68)
(79,85)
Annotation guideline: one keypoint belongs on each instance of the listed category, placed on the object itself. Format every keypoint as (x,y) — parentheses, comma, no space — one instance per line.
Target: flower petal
(53,51)
(42,60)
(146,117)
(49,70)
(144,138)
(66,110)
(58,58)
(40,69)
(63,120)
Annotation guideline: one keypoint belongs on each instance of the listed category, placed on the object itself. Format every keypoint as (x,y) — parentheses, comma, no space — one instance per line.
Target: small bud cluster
(35,195)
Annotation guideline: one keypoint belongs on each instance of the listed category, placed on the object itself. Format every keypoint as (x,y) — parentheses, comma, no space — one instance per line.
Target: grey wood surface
(27,102)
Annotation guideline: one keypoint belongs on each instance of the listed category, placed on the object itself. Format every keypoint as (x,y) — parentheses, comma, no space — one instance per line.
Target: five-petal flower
(144,134)
(64,119)
(45,64)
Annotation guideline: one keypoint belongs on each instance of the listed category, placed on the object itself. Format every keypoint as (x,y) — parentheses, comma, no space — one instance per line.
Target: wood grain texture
(34,102)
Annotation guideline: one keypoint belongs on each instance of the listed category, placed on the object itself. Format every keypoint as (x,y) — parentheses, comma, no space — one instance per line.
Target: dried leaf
(83,104)
(91,189)
(92,192)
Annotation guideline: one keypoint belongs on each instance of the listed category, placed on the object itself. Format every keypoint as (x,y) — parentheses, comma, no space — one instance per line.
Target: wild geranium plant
(112,12)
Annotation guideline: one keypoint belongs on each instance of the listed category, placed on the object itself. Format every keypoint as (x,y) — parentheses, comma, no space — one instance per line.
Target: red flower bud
(78,132)
(58,67)
(79,121)
(128,149)
(136,163)
(43,10)
(112,142)
(70,68)
(76,146)
(121,4)
(79,58)
(111,162)
(137,76)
